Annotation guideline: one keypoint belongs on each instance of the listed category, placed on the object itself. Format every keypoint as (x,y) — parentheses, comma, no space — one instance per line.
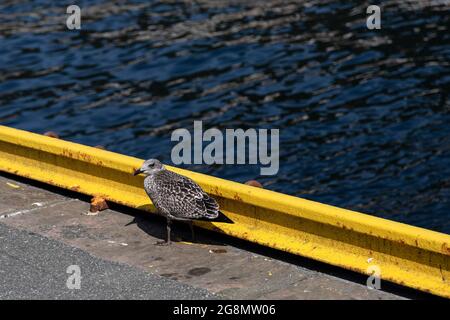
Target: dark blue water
(363,115)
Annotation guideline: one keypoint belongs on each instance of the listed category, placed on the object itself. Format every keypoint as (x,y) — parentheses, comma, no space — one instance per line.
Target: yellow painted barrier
(407,255)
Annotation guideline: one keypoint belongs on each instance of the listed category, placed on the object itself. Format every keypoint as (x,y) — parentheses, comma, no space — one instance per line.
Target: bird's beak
(137,172)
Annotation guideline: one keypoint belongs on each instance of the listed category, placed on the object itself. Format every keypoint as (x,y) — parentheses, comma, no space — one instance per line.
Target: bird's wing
(189,200)
(208,207)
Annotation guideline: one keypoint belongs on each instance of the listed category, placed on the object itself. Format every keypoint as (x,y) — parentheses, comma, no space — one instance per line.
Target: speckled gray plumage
(178,197)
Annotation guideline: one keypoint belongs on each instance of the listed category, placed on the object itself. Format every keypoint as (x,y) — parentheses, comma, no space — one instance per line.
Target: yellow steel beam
(407,255)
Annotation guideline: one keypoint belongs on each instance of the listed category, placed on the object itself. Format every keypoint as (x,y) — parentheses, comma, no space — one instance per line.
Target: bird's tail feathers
(219,217)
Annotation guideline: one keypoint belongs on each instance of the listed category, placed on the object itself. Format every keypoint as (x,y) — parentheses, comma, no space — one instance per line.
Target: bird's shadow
(155,226)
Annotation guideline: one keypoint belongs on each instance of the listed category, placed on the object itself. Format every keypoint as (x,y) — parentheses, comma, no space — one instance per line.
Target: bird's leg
(191,225)
(167,242)
(169,222)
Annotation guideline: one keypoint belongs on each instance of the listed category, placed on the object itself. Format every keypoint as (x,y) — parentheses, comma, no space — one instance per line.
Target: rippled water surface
(364,116)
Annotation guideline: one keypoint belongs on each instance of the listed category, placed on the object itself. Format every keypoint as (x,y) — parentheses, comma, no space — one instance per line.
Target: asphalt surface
(35,267)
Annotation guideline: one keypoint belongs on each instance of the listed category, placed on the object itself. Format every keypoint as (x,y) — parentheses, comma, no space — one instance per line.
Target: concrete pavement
(43,230)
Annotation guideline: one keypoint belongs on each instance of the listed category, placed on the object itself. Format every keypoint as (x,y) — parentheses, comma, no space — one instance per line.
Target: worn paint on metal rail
(407,255)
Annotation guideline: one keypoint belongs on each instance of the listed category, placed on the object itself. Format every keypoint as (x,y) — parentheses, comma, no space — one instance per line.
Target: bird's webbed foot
(162,243)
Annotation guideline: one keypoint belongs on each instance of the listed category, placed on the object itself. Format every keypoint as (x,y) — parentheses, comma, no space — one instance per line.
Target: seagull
(176,197)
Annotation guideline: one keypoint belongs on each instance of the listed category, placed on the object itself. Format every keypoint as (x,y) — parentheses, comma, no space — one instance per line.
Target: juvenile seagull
(175,196)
